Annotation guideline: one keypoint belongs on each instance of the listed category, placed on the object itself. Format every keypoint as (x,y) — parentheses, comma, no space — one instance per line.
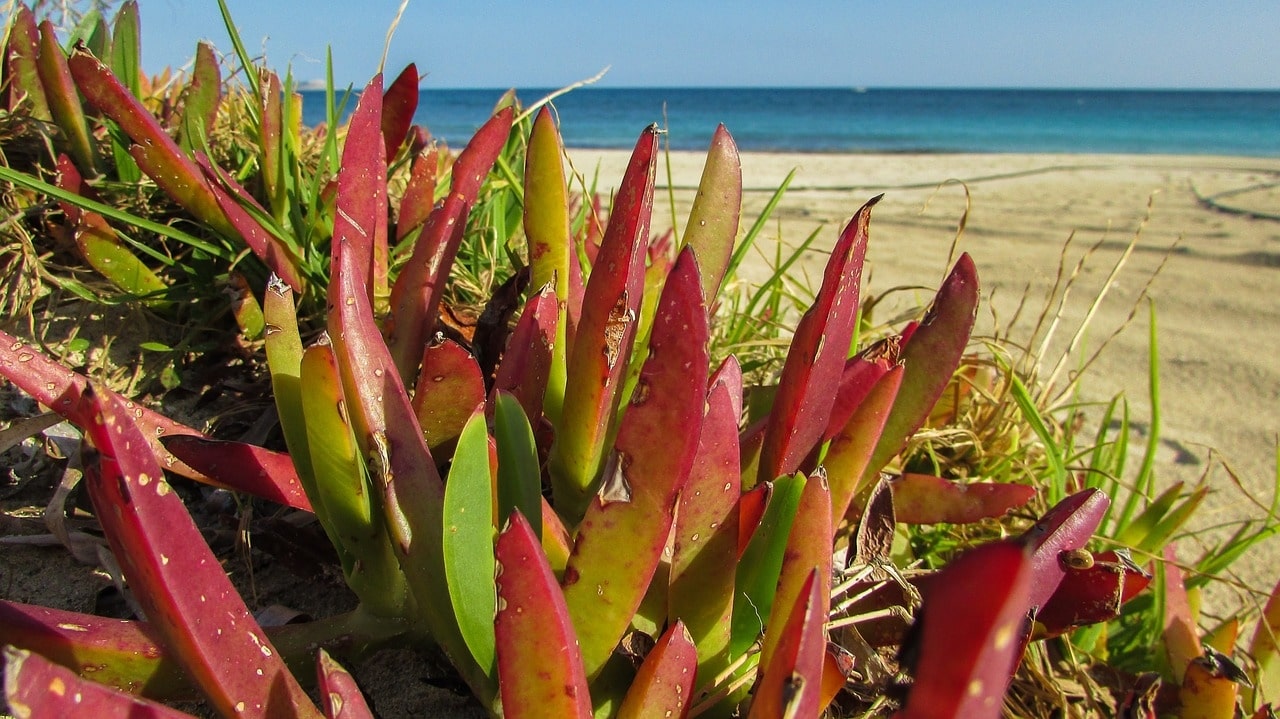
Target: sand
(1214,223)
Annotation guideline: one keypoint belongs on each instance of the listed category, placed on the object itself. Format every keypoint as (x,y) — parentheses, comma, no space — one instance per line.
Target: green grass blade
(1057,489)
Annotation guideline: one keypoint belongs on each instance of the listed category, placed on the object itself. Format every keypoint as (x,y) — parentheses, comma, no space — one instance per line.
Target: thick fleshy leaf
(271,146)
(1181,634)
(850,449)
(449,388)
(176,578)
(648,467)
(751,506)
(546,224)
(790,680)
(468,538)
(22,76)
(399,103)
(241,467)
(164,161)
(925,499)
(1209,688)
(808,551)
(931,352)
(245,307)
(121,654)
(339,696)
(283,342)
(419,195)
(60,389)
(1067,526)
(274,252)
(604,336)
(529,359)
(200,100)
(540,670)
(361,217)
(415,297)
(663,687)
(1093,590)
(968,634)
(519,473)
(705,550)
(341,488)
(400,463)
(816,359)
(36,687)
(861,373)
(64,101)
(712,228)
(761,563)
(1266,652)
(101,247)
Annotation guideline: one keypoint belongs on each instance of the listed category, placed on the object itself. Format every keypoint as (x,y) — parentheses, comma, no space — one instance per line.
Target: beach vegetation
(569,454)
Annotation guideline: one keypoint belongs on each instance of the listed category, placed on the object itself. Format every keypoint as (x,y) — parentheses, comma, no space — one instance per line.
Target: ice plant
(681,564)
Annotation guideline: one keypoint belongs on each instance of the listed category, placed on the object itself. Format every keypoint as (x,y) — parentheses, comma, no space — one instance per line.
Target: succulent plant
(580,520)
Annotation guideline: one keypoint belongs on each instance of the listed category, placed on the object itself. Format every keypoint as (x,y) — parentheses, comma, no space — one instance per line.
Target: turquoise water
(889,120)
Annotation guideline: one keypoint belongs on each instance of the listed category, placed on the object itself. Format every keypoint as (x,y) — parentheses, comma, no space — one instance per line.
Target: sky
(922,43)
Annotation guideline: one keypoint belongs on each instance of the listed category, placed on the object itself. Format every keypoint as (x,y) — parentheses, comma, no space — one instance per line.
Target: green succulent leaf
(200,100)
(468,539)
(519,475)
(808,552)
(25,91)
(850,449)
(761,563)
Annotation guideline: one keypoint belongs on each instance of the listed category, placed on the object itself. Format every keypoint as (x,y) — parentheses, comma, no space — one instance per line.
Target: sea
(884,120)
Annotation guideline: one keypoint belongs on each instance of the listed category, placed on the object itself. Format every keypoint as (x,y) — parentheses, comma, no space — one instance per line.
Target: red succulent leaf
(126,655)
(850,450)
(540,670)
(925,499)
(1181,635)
(1093,590)
(790,682)
(705,549)
(339,695)
(526,364)
(415,296)
(398,105)
(176,578)
(241,467)
(968,629)
(361,219)
(36,687)
(63,100)
(419,195)
(815,362)
(60,389)
(652,457)
(1067,526)
(663,687)
(450,386)
(860,375)
(602,341)
(751,506)
(808,550)
(22,77)
(931,352)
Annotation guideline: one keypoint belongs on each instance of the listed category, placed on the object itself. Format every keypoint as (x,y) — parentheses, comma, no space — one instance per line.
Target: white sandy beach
(1215,298)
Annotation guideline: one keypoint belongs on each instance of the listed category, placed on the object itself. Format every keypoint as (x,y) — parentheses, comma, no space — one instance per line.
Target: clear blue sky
(927,43)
